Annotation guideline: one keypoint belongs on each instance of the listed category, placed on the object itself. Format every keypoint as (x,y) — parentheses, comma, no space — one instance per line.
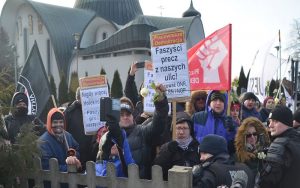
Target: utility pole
(77,38)
(14,49)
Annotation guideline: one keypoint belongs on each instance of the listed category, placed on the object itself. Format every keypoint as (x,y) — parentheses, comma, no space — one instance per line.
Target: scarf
(184,143)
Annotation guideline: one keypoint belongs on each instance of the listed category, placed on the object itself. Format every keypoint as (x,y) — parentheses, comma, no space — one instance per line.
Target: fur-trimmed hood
(190,106)
(240,140)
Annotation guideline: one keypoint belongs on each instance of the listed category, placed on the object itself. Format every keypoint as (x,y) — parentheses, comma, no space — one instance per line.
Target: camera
(140,64)
(109,106)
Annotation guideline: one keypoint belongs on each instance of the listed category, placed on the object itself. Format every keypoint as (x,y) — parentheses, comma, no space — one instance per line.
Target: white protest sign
(170,64)
(91,90)
(148,80)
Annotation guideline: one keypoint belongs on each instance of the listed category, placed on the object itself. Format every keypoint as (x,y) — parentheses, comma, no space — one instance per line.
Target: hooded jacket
(52,148)
(213,124)
(242,155)
(190,106)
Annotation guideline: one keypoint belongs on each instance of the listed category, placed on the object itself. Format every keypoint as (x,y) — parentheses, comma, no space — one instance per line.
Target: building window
(103,55)
(30,24)
(122,53)
(104,35)
(87,57)
(20,25)
(40,26)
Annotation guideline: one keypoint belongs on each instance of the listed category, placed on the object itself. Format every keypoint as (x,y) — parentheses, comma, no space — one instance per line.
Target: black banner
(34,82)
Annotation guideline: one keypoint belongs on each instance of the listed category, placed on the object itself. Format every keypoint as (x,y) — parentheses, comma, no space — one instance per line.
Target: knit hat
(217,95)
(57,116)
(213,144)
(266,100)
(282,114)
(249,95)
(235,105)
(19,97)
(297,115)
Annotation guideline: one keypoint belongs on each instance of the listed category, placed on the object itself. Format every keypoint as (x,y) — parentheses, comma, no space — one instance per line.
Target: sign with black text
(170,64)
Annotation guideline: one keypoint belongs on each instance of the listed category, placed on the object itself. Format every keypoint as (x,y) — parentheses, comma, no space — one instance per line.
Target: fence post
(54,172)
(90,174)
(180,177)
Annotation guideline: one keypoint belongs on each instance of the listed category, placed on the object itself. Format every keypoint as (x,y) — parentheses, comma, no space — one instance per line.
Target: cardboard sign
(170,64)
(91,90)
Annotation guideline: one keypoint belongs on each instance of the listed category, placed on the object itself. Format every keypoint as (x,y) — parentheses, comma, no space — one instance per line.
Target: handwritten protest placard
(91,90)
(170,65)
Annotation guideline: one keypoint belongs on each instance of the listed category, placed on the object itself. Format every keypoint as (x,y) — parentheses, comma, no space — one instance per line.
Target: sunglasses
(250,135)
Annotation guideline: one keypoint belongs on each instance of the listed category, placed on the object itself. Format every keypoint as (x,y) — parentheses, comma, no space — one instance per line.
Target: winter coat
(219,170)
(250,113)
(141,138)
(52,148)
(282,164)
(241,153)
(214,124)
(74,125)
(14,123)
(264,114)
(101,166)
(169,156)
(190,106)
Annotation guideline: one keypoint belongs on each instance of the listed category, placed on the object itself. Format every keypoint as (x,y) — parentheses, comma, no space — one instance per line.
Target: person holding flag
(19,117)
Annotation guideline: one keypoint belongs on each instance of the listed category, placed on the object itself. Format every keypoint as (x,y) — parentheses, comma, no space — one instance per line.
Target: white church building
(95,34)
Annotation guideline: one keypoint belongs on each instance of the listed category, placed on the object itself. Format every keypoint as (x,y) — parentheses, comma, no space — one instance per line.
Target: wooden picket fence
(178,177)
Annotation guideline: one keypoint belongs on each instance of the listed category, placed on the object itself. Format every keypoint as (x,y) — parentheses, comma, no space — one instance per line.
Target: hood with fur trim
(240,139)
(190,106)
(50,113)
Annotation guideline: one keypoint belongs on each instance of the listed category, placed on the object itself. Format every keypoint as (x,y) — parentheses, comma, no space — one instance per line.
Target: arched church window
(20,28)
(104,35)
(30,24)
(40,26)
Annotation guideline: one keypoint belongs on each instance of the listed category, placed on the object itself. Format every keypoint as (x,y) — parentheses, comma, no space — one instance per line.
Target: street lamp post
(296,61)
(77,38)
(14,49)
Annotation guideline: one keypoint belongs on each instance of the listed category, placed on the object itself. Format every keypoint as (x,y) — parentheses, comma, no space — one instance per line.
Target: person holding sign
(214,119)
(141,138)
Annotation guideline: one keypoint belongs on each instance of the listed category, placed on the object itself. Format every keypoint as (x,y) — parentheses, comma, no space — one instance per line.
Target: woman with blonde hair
(251,141)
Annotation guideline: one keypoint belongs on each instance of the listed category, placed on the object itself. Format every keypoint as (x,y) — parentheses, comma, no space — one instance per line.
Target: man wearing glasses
(182,151)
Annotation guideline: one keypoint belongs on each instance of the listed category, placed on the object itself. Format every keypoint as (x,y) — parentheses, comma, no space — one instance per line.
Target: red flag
(210,62)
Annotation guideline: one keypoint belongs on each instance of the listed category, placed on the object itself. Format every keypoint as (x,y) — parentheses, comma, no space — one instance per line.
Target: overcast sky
(254,22)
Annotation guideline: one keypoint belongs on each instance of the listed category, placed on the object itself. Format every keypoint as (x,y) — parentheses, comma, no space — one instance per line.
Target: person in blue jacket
(114,156)
(58,143)
(214,119)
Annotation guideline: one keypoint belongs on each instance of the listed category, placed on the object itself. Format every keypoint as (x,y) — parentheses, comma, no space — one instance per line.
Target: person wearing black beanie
(19,117)
(216,167)
(282,164)
(248,106)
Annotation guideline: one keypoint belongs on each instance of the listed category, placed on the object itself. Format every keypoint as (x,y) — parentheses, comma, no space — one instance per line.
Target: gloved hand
(229,125)
(115,130)
(173,146)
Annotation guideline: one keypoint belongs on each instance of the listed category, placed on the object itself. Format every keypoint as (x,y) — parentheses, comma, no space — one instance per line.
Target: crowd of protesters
(249,145)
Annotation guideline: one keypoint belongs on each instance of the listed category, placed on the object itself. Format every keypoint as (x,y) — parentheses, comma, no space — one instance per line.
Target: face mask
(21,111)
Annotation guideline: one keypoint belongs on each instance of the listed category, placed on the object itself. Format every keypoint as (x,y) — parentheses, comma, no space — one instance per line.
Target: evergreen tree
(102,71)
(74,84)
(17,158)
(63,90)
(7,80)
(243,82)
(116,86)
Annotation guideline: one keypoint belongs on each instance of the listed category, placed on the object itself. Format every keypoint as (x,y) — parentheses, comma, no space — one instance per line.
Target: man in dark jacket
(183,151)
(296,118)
(282,167)
(216,169)
(248,106)
(74,125)
(142,137)
(19,117)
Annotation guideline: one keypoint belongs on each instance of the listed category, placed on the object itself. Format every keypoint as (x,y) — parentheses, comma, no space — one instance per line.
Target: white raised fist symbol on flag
(210,56)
